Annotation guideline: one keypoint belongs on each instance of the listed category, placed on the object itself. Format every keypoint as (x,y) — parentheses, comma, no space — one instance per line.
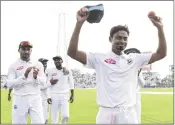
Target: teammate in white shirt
(44,92)
(116,72)
(59,93)
(24,77)
(140,83)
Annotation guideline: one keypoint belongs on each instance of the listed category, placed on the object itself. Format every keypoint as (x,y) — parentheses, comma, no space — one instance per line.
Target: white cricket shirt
(17,80)
(64,84)
(116,77)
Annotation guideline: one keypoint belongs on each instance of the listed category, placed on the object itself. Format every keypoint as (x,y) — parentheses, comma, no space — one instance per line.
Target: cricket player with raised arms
(116,72)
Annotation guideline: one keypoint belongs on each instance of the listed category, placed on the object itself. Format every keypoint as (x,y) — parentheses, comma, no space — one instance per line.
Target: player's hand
(53,81)
(27,71)
(9,97)
(82,15)
(157,21)
(35,72)
(65,71)
(71,99)
(49,101)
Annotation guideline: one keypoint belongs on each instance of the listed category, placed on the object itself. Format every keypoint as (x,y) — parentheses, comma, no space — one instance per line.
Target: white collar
(115,55)
(22,61)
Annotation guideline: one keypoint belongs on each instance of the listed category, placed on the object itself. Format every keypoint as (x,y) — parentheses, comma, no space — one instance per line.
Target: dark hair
(118,28)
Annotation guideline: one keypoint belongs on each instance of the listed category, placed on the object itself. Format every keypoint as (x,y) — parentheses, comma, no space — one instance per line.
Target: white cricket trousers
(119,115)
(138,107)
(24,104)
(45,106)
(60,102)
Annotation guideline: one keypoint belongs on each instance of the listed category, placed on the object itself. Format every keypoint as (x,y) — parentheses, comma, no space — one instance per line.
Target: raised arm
(73,51)
(162,47)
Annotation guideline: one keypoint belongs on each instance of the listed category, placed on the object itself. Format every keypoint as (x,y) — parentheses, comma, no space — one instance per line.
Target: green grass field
(155,108)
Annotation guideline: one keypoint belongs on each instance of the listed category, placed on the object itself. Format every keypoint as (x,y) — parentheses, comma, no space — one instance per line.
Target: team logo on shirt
(54,74)
(110,61)
(20,68)
(129,61)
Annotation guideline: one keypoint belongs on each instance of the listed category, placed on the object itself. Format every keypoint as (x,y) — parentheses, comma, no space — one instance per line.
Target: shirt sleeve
(71,80)
(12,80)
(91,60)
(143,59)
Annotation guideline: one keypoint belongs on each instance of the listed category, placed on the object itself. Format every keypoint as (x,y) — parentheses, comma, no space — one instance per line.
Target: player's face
(25,52)
(119,41)
(58,62)
(45,64)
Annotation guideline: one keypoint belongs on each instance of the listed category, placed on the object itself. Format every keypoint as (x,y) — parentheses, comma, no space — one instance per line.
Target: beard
(25,57)
(58,66)
(121,48)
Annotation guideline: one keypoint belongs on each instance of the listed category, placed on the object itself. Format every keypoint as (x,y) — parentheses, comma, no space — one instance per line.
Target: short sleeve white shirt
(116,77)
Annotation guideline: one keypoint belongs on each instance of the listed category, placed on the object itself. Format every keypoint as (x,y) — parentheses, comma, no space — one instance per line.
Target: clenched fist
(82,15)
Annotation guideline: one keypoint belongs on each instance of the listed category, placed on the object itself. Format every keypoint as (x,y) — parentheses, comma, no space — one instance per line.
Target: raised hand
(82,15)
(157,21)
